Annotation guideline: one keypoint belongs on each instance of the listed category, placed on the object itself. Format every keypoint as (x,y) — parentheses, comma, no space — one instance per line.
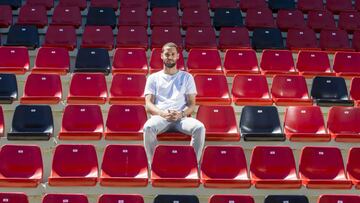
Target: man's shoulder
(153,76)
(185,74)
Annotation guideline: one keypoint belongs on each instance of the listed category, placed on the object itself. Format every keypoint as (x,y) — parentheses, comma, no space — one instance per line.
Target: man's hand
(166,114)
(174,115)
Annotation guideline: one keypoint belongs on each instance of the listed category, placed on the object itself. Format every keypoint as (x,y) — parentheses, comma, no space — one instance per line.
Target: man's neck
(170,71)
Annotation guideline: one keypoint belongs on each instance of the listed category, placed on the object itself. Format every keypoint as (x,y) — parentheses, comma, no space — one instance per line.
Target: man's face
(169,57)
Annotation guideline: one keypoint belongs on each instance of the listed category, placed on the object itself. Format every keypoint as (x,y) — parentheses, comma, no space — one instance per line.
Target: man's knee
(199,129)
(150,129)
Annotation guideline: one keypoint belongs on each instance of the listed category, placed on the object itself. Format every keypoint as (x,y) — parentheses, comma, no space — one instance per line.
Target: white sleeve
(150,87)
(190,86)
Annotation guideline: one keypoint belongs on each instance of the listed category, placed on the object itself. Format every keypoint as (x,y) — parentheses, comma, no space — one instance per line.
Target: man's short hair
(171,45)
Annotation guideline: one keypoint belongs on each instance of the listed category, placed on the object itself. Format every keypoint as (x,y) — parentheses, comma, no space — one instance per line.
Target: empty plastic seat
(249,4)
(286,198)
(356,40)
(15,4)
(231,198)
(214,4)
(42,89)
(130,60)
(353,166)
(67,15)
(267,38)
(300,39)
(240,61)
(21,166)
(349,21)
(8,88)
(184,4)
(277,62)
(125,122)
(13,197)
(224,167)
(174,166)
(55,198)
(281,4)
(127,89)
(227,17)
(334,40)
(33,15)
(337,198)
(303,123)
(92,60)
(101,16)
(81,4)
(81,122)
(323,168)
(212,89)
(342,123)
(224,128)
(321,19)
(163,4)
(14,60)
(261,123)
(87,88)
(313,63)
(200,37)
(310,5)
(355,90)
(47,3)
(196,17)
(31,122)
(346,64)
(329,91)
(132,37)
(23,35)
(290,90)
(164,17)
(273,167)
(259,18)
(156,63)
(2,122)
(204,61)
(134,4)
(124,165)
(336,6)
(105,3)
(162,35)
(135,16)
(357,5)
(98,37)
(177,198)
(6,17)
(74,165)
(52,60)
(234,38)
(67,39)
(113,198)
(290,19)
(243,92)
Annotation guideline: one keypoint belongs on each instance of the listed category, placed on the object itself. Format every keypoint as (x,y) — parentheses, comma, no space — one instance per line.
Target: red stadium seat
(204,61)
(250,4)
(336,6)
(313,63)
(127,89)
(52,60)
(353,166)
(290,19)
(334,40)
(156,62)
(47,3)
(321,19)
(14,60)
(234,38)
(184,4)
(162,35)
(310,5)
(214,4)
(356,40)
(240,62)
(98,37)
(342,124)
(66,15)
(290,90)
(301,39)
(166,17)
(224,167)
(277,62)
(2,122)
(105,3)
(133,16)
(132,37)
(81,4)
(74,165)
(125,122)
(305,123)
(323,168)
(220,129)
(134,4)
(124,165)
(33,15)
(58,198)
(357,5)
(67,39)
(21,166)
(200,37)
(108,198)
(338,198)
(174,166)
(355,90)
(259,18)
(17,197)
(346,64)
(231,198)
(349,21)
(212,90)
(196,17)
(6,16)
(130,60)
(243,92)
(81,122)
(273,167)
(42,89)
(87,88)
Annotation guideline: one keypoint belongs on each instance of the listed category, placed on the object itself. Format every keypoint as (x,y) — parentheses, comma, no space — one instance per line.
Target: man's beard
(170,65)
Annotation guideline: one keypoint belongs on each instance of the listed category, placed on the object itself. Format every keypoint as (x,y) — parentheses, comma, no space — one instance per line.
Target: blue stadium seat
(281,4)
(23,35)
(101,17)
(8,88)
(267,38)
(163,3)
(92,60)
(227,17)
(176,198)
(286,198)
(15,4)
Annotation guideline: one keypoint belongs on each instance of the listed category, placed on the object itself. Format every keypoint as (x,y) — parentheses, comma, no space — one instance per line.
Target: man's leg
(152,127)
(196,129)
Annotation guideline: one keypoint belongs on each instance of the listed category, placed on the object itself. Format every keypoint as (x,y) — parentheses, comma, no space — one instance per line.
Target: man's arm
(190,107)
(152,109)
